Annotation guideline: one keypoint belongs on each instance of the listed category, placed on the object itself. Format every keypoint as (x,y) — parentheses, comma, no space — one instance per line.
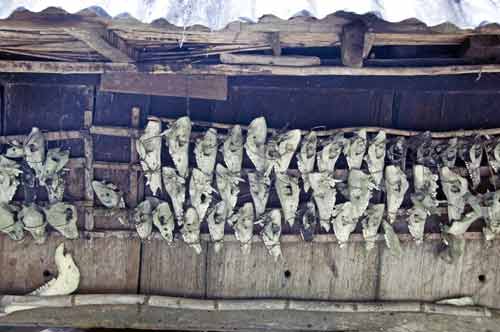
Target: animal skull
(216,221)
(242,223)
(255,145)
(306,157)
(328,156)
(493,150)
(447,152)
(34,150)
(355,149)
(288,193)
(344,222)
(391,239)
(149,149)
(8,223)
(108,194)
(232,150)
(324,194)
(492,216)
(425,154)
(375,158)
(271,232)
(9,172)
(205,152)
(359,186)
(177,138)
(34,222)
(455,189)
(371,223)
(280,150)
(63,217)
(259,190)
(175,186)
(191,229)
(163,219)
(471,152)
(143,217)
(396,186)
(396,152)
(228,187)
(459,227)
(308,225)
(200,192)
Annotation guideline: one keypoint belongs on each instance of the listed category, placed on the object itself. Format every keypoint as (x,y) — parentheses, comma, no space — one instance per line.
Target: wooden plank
(159,318)
(353,44)
(88,146)
(172,270)
(95,41)
(208,87)
(107,265)
(308,270)
(295,61)
(420,274)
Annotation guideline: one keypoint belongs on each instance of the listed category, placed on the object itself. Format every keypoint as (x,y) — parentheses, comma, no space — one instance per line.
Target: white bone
(329,154)
(8,224)
(309,221)
(288,193)
(271,232)
(191,229)
(205,152)
(175,185)
(259,190)
(232,150)
(34,222)
(360,187)
(324,194)
(63,217)
(455,189)
(306,157)
(163,220)
(371,223)
(255,145)
(391,239)
(242,223)
(396,186)
(228,187)
(344,222)
(149,149)
(280,150)
(143,217)
(200,192)
(216,221)
(108,194)
(34,150)
(177,138)
(355,149)
(375,158)
(9,173)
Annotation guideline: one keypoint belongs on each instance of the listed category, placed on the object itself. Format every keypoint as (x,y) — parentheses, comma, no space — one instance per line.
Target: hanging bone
(280,150)
(242,223)
(371,223)
(205,152)
(493,151)
(309,221)
(108,194)
(360,187)
(271,232)
(228,187)
(191,229)
(9,173)
(447,152)
(456,190)
(63,218)
(177,139)
(423,199)
(355,149)
(306,157)
(391,239)
(163,220)
(259,190)
(424,152)
(324,195)
(329,154)
(143,217)
(232,150)
(470,150)
(200,192)
(255,145)
(34,222)
(396,186)
(288,190)
(216,221)
(375,158)
(175,186)
(344,222)
(149,150)
(9,224)
(396,152)
(491,216)
(51,176)
(34,150)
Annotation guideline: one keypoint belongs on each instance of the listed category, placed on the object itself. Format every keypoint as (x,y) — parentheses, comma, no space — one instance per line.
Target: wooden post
(88,146)
(353,44)
(136,178)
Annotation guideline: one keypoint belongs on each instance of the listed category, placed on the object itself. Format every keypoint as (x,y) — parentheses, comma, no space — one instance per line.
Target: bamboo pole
(88,146)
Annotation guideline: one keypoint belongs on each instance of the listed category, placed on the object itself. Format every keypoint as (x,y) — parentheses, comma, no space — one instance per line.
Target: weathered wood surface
(107,265)
(296,61)
(208,87)
(156,318)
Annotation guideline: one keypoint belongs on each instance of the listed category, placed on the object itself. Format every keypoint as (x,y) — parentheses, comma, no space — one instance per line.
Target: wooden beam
(353,44)
(94,39)
(195,86)
(162,312)
(237,70)
(482,47)
(250,59)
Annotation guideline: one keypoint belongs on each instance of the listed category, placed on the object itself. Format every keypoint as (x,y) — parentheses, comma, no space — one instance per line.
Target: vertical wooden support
(88,146)
(136,180)
(353,44)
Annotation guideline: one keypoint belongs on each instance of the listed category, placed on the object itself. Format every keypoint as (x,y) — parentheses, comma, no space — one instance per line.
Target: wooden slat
(208,87)
(174,270)
(353,44)
(107,265)
(295,61)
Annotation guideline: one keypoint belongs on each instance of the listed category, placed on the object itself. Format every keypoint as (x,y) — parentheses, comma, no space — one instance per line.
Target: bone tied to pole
(365,176)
